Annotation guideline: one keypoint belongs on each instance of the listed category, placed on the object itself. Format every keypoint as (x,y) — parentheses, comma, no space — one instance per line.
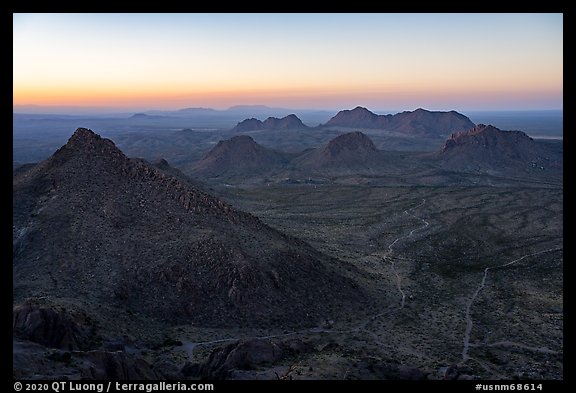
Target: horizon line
(98,109)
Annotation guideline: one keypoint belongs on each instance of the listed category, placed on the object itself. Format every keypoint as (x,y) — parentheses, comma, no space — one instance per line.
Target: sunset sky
(323,61)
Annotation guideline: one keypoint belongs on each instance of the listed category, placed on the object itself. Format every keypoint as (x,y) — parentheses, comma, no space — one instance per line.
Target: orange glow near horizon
(221,99)
(314,60)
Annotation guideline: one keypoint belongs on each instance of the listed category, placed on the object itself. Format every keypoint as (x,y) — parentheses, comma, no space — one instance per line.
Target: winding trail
(390,251)
(519,345)
(469,322)
(190,346)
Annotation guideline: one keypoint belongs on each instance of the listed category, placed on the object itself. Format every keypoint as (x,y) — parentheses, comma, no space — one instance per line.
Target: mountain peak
(288,122)
(486,132)
(248,125)
(480,128)
(87,141)
(271,123)
(485,146)
(351,151)
(83,135)
(357,117)
(242,139)
(239,155)
(360,108)
(351,141)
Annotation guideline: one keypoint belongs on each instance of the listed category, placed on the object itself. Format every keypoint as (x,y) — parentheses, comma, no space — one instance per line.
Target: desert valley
(416,245)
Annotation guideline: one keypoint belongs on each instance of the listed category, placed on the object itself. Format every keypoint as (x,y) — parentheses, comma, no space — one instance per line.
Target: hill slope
(240,155)
(93,225)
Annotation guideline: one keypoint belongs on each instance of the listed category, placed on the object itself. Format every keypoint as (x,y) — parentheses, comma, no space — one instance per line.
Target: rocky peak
(242,140)
(287,122)
(240,155)
(249,125)
(162,164)
(361,109)
(361,113)
(357,117)
(85,139)
(481,128)
(89,145)
(83,136)
(486,135)
(351,141)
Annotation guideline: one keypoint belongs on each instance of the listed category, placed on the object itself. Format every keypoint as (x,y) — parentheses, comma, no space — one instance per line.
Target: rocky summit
(94,226)
(485,147)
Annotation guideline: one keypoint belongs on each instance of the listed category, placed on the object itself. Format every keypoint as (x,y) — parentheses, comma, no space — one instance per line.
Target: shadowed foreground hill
(96,226)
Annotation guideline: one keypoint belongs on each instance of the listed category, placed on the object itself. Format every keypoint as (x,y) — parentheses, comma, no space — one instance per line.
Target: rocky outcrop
(241,355)
(246,355)
(488,137)
(35,361)
(487,148)
(52,328)
(102,365)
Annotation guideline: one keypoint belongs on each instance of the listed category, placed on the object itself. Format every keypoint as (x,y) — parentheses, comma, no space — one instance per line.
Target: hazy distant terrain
(157,134)
(187,247)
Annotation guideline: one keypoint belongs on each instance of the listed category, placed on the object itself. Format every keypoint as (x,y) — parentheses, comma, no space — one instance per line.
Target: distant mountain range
(481,149)
(420,121)
(289,122)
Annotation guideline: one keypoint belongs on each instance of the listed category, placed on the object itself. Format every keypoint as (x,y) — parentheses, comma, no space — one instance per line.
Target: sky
(308,61)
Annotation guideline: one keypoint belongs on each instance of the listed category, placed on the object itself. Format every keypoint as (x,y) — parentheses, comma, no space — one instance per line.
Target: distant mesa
(420,121)
(93,225)
(252,108)
(351,151)
(272,123)
(145,116)
(197,110)
(240,155)
(487,147)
